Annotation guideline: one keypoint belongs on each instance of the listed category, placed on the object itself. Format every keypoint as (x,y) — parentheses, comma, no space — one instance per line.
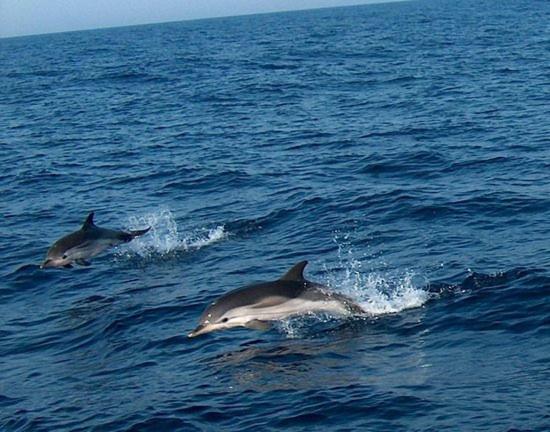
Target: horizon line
(215,17)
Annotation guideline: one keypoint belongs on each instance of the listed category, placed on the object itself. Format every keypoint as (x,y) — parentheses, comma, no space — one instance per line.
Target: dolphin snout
(45,263)
(200,329)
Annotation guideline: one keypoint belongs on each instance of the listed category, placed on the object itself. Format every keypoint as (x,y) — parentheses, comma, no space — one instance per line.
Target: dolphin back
(65,243)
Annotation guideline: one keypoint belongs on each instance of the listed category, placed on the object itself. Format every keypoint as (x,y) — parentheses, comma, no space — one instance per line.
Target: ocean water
(403,149)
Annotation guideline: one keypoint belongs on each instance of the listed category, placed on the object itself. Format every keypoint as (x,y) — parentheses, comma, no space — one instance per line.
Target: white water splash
(377,292)
(165,238)
(382,293)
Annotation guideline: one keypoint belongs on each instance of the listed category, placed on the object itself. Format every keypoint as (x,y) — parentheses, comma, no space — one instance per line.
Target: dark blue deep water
(403,149)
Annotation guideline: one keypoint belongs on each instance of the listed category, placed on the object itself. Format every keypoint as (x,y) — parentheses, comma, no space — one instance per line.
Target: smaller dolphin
(89,241)
(256,306)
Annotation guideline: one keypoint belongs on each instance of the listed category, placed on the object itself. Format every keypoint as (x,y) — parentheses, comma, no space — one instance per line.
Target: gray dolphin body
(89,241)
(256,306)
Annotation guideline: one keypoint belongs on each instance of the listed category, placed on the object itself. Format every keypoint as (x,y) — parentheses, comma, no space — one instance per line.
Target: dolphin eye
(225,320)
(64,257)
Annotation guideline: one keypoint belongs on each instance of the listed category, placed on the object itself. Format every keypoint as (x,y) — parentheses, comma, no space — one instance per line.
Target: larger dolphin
(256,306)
(89,241)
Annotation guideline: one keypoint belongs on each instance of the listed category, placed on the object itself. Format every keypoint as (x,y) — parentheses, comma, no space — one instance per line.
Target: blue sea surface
(403,149)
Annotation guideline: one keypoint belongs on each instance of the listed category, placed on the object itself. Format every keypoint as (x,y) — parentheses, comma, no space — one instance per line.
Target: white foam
(378,292)
(165,238)
(210,236)
(384,293)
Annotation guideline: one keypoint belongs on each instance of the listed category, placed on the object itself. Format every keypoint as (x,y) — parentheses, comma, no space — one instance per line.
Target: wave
(165,238)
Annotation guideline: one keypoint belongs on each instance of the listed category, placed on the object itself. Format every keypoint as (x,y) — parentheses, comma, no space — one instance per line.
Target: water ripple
(401,148)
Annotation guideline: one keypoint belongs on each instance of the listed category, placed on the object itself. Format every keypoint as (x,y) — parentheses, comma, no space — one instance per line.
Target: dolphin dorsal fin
(89,222)
(296,273)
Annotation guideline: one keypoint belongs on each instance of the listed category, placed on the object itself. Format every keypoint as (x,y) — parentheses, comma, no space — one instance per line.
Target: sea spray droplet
(377,292)
(384,294)
(164,237)
(205,237)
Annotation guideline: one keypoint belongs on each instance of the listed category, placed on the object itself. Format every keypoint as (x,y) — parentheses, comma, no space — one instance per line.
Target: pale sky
(24,17)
